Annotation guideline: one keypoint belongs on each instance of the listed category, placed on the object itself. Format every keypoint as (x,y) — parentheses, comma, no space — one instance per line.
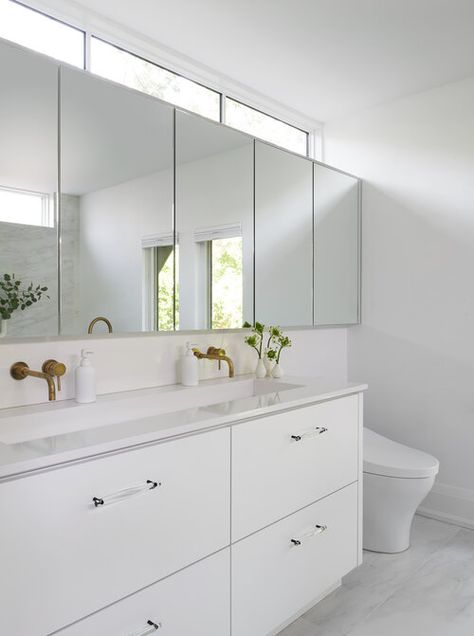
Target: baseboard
(450,504)
(304,609)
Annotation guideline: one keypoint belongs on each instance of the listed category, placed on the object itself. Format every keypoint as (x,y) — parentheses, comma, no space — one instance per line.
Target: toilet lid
(383,456)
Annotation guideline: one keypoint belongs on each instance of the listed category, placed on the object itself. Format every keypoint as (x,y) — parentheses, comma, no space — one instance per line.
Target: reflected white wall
(283,238)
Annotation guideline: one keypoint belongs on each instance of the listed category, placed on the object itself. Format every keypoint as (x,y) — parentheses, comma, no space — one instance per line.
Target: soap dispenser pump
(189,367)
(85,379)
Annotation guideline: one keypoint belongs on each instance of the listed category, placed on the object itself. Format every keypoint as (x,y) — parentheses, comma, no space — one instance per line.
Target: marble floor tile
(437,600)
(368,589)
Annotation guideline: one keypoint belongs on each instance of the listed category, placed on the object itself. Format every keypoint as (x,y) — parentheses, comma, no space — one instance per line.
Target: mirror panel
(283,238)
(148,192)
(28,185)
(214,224)
(116,206)
(336,247)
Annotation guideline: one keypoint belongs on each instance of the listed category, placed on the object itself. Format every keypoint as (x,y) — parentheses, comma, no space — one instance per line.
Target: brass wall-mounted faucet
(214,353)
(90,328)
(51,370)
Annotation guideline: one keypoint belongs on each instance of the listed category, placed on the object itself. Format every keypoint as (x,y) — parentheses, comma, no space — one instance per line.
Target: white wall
(125,363)
(415,347)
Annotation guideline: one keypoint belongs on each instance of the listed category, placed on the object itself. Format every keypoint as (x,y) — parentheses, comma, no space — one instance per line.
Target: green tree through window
(226,283)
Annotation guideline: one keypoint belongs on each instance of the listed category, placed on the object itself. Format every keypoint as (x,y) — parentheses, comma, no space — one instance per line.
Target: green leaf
(259,327)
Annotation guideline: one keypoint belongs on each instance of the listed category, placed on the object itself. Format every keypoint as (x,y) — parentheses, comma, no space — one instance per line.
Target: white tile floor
(426,591)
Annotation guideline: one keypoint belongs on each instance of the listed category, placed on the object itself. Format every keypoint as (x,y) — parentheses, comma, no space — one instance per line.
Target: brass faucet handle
(216,351)
(55,369)
(19,370)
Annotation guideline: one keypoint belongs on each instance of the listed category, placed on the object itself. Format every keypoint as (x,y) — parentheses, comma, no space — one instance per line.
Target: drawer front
(193,602)
(284,462)
(67,557)
(284,567)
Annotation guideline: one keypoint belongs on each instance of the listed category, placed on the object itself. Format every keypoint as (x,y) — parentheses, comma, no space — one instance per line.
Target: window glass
(41,33)
(226,283)
(263,126)
(26,208)
(123,67)
(164,288)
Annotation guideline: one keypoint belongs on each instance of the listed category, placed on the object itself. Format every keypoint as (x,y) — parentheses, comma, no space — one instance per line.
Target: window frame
(48,216)
(120,37)
(282,121)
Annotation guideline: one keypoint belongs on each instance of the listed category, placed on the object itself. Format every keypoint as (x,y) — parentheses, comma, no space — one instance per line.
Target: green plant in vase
(15,296)
(270,350)
(256,340)
(282,342)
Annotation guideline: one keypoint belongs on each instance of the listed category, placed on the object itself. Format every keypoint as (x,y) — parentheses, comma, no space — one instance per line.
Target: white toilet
(396,480)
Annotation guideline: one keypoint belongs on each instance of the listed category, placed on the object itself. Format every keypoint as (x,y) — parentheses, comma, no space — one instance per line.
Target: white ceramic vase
(3,328)
(268,366)
(277,371)
(260,370)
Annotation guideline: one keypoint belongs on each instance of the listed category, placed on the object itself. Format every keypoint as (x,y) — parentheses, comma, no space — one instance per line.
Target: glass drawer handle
(318,529)
(151,629)
(314,432)
(126,493)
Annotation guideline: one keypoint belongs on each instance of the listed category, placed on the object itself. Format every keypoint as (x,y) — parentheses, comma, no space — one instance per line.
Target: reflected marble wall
(30,253)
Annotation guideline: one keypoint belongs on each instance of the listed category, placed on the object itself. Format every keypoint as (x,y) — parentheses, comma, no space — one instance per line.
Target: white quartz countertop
(133,418)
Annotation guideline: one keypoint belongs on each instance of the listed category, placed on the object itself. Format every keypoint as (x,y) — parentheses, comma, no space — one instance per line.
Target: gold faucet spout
(99,319)
(20,371)
(214,353)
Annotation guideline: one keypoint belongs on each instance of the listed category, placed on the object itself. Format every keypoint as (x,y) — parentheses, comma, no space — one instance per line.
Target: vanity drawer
(67,557)
(283,462)
(194,602)
(273,579)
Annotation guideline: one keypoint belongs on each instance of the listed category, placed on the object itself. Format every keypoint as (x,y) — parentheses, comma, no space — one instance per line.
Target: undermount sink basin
(47,420)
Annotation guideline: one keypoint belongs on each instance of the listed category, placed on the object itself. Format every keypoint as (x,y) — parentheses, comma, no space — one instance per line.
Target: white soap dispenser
(189,367)
(85,379)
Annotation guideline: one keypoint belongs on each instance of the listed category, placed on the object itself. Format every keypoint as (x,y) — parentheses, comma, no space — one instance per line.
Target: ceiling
(323,58)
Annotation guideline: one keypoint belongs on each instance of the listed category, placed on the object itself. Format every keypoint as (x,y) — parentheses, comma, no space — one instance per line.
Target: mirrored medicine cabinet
(157,219)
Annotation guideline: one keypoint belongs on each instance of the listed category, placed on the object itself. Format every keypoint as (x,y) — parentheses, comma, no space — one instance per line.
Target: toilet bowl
(396,480)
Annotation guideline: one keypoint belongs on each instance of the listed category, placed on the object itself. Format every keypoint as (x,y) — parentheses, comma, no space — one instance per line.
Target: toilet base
(390,504)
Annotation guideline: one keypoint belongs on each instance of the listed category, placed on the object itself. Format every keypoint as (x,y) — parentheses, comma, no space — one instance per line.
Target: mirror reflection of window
(26,208)
(226,283)
(163,288)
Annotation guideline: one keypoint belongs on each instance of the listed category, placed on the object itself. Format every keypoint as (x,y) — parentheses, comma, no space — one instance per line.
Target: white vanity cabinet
(67,557)
(229,531)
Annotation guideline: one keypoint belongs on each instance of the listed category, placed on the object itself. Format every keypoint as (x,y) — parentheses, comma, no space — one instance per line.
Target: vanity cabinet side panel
(360,483)
(67,558)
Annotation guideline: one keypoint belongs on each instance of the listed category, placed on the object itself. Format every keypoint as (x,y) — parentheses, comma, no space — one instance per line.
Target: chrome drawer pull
(314,432)
(153,627)
(126,493)
(318,529)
